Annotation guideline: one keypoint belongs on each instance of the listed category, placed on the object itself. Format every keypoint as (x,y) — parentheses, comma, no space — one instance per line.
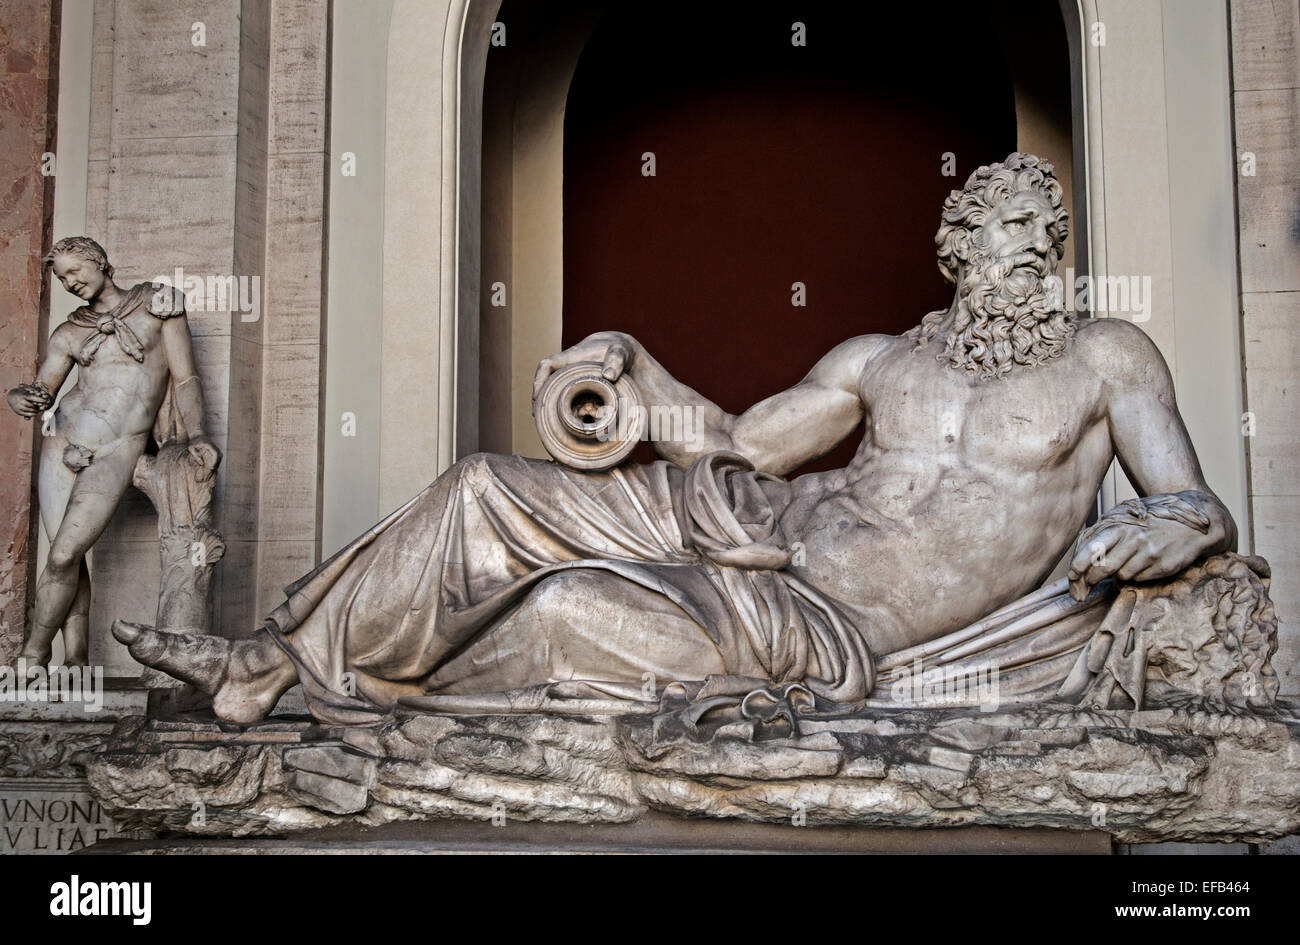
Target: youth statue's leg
(76,626)
(54,488)
(96,492)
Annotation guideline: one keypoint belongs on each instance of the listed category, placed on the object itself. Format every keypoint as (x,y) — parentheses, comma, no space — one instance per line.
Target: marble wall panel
(25,208)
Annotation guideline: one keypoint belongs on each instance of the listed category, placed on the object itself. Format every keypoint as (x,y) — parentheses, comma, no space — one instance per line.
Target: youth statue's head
(1001,236)
(81,265)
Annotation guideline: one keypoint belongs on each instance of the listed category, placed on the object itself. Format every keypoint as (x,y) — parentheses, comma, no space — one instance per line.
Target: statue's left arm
(188,395)
(1152,445)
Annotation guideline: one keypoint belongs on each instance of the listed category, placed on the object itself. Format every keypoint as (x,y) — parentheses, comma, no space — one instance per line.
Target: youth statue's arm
(28,400)
(189,396)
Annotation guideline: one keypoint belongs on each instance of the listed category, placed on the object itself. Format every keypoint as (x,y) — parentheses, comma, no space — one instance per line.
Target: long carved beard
(1004,317)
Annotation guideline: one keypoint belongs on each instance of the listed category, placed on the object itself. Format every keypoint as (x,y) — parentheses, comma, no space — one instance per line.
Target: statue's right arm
(810,419)
(777,435)
(28,400)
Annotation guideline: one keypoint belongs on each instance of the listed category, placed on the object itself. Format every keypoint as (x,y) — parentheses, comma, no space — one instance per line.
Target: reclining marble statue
(135,377)
(989,429)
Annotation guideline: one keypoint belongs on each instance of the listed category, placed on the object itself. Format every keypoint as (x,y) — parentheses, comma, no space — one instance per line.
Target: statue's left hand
(615,351)
(1158,549)
(205,456)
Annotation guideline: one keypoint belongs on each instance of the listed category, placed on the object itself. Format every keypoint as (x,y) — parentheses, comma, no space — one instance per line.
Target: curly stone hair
(964,210)
(82,247)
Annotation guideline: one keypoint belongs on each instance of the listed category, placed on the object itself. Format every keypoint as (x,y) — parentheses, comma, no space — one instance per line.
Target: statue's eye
(1013,227)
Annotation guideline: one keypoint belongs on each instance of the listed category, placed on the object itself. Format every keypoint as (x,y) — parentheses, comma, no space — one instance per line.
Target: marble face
(81,277)
(1019,228)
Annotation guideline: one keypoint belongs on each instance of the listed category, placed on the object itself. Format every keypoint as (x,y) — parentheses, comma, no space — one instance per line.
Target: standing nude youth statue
(136,375)
(989,428)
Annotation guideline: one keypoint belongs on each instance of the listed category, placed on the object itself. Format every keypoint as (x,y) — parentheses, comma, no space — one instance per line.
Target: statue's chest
(111,351)
(1022,422)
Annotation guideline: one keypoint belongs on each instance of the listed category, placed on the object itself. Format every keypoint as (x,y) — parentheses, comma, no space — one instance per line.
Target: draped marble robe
(410,607)
(689,568)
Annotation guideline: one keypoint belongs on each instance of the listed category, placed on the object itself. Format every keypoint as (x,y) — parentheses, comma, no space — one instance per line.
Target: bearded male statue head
(1005,311)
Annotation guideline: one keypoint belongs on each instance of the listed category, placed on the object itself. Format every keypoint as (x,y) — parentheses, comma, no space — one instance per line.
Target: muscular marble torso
(955,503)
(966,490)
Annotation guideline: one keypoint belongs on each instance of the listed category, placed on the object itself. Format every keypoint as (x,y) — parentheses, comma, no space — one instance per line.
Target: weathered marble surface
(529,609)
(189,547)
(1168,774)
(990,426)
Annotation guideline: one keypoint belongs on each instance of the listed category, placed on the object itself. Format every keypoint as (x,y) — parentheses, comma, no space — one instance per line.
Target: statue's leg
(96,492)
(257,675)
(76,627)
(579,624)
(379,613)
(585,624)
(54,488)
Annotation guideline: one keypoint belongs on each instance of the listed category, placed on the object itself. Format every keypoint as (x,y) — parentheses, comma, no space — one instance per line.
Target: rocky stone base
(1140,776)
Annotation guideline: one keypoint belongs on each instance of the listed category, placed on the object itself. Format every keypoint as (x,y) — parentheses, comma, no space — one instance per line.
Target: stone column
(28,91)
(290,335)
(1266,108)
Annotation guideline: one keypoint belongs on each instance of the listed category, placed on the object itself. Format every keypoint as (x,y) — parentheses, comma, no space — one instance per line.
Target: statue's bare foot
(36,655)
(245,677)
(197,659)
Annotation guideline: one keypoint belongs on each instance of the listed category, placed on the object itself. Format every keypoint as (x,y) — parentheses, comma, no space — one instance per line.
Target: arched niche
(527,88)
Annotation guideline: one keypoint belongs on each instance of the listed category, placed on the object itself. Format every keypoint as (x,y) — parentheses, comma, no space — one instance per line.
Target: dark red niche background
(775,164)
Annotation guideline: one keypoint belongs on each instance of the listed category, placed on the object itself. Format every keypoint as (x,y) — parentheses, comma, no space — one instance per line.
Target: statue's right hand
(613,350)
(27,400)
